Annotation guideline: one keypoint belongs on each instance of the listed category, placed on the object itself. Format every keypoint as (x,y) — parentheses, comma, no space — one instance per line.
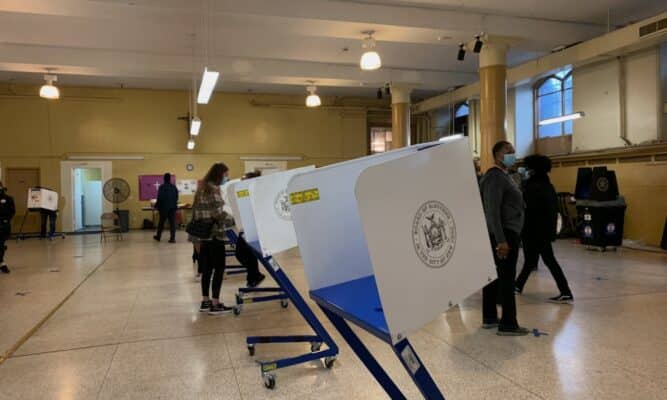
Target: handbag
(200,228)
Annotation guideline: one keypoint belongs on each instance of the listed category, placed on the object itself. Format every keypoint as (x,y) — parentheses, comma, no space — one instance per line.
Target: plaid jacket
(208,206)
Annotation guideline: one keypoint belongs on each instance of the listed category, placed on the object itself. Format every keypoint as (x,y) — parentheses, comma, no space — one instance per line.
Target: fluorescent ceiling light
(370,60)
(195,125)
(208,81)
(562,118)
(313,100)
(191,144)
(103,157)
(49,91)
(271,158)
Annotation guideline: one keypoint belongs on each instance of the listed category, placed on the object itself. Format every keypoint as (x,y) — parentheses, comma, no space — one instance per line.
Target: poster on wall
(149,184)
(186,186)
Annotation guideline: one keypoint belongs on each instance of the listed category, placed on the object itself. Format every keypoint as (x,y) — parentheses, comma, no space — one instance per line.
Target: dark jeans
(167,215)
(52,216)
(247,259)
(502,289)
(532,252)
(212,266)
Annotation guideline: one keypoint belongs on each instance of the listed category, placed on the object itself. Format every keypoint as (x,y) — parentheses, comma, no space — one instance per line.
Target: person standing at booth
(244,254)
(167,204)
(7,212)
(539,229)
(504,211)
(208,209)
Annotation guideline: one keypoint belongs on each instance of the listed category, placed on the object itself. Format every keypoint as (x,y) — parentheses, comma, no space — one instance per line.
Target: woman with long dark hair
(207,206)
(539,228)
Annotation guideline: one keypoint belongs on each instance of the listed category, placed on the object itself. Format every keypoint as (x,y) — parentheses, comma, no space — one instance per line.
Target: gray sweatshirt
(503,203)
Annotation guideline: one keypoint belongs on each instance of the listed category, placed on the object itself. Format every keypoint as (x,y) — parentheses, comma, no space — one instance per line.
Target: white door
(92,203)
(77,201)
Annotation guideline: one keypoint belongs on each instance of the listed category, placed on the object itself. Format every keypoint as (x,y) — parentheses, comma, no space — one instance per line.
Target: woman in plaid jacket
(208,205)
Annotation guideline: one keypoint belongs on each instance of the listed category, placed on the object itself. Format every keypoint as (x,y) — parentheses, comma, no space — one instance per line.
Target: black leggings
(212,267)
(532,252)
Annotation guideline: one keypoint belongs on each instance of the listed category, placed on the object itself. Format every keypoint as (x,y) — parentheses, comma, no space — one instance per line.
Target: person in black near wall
(7,212)
(167,204)
(539,229)
(504,211)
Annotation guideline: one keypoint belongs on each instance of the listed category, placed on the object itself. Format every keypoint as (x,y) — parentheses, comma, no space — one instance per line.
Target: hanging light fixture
(478,44)
(49,91)
(313,100)
(370,60)
(195,125)
(209,77)
(191,144)
(462,52)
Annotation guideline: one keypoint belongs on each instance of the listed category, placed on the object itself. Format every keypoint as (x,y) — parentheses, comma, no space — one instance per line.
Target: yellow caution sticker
(269,367)
(247,300)
(243,193)
(304,196)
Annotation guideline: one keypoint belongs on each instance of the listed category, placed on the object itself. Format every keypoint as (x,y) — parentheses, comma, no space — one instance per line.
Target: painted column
(493,98)
(400,115)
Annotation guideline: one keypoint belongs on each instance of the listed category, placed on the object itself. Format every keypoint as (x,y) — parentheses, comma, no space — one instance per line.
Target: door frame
(67,188)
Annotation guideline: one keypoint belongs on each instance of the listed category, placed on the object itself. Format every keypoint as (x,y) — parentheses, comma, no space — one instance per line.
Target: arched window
(553,98)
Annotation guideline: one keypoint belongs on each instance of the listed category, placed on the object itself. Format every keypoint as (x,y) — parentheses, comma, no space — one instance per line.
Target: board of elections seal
(434,234)
(282,206)
(602,184)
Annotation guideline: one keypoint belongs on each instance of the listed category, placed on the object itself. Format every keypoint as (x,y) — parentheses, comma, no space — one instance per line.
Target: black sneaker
(157,239)
(257,281)
(172,240)
(205,305)
(490,324)
(4,269)
(218,309)
(562,299)
(518,331)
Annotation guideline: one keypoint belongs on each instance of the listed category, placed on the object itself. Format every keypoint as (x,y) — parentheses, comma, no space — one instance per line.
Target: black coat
(541,210)
(167,197)
(7,212)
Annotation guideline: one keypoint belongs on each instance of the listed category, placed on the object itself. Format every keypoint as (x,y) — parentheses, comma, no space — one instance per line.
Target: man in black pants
(51,216)
(504,210)
(7,212)
(167,204)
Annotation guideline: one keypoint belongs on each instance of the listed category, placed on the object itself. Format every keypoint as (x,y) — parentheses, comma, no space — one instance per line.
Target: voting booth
(39,199)
(391,241)
(262,211)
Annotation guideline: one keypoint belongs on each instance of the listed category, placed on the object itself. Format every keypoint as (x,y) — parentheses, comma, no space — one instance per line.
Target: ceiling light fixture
(313,100)
(462,52)
(370,60)
(195,125)
(208,81)
(191,144)
(48,90)
(562,118)
(478,44)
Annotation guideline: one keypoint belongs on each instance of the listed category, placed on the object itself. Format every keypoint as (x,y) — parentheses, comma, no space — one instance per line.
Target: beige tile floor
(131,330)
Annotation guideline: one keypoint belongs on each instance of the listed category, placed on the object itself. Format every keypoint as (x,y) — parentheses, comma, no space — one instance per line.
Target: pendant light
(48,90)
(370,60)
(191,144)
(313,100)
(209,77)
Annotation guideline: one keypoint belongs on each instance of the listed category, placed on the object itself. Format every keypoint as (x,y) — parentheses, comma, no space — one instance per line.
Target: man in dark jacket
(7,212)
(539,230)
(503,208)
(167,204)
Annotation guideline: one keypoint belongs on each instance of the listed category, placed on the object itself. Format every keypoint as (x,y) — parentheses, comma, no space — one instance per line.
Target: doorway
(87,199)
(18,181)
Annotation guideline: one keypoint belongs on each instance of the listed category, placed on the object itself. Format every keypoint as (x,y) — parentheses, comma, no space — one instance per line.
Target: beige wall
(39,133)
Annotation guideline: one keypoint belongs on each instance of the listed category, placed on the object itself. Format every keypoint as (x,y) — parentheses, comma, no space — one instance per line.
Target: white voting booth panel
(426,234)
(245,219)
(329,233)
(40,198)
(271,209)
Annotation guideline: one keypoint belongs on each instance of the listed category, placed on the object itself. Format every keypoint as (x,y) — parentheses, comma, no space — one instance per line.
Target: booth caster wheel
(251,349)
(315,347)
(237,310)
(269,380)
(284,303)
(329,361)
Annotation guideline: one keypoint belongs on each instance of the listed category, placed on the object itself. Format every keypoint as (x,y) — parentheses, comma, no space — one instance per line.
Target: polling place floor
(131,330)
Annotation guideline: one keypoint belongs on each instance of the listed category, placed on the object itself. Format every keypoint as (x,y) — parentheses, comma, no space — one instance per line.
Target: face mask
(509,160)
(224,180)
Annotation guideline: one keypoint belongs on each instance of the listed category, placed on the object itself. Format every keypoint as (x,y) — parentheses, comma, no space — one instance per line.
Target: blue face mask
(224,180)
(509,160)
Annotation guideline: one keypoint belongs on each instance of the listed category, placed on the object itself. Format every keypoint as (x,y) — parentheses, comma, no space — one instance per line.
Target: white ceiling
(278,45)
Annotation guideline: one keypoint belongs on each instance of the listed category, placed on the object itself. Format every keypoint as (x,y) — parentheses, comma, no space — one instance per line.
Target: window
(553,98)
(461,119)
(380,139)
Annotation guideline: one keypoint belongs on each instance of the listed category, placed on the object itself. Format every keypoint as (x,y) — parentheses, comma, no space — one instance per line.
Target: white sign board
(40,198)
(242,209)
(428,242)
(186,186)
(271,208)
